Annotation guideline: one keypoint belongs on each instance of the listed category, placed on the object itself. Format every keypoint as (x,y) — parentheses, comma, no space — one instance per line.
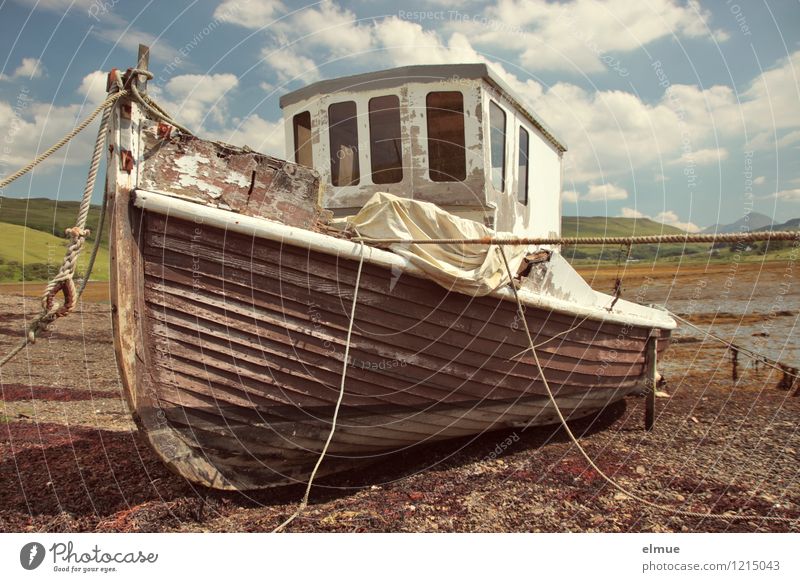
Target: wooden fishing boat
(232,289)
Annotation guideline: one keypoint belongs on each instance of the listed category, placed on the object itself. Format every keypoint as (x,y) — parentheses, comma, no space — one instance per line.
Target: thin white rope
(63,141)
(304,502)
(589,460)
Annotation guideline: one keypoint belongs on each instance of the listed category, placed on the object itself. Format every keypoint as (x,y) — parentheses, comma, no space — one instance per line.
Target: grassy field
(613,226)
(606,226)
(27,254)
(32,239)
(45,215)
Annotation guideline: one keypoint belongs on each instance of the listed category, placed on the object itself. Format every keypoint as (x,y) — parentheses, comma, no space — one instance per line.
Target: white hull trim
(626,313)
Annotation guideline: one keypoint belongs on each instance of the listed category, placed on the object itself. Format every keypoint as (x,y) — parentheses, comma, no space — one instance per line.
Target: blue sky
(685,112)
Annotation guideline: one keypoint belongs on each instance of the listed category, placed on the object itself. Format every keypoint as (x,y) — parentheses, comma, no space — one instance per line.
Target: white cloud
(569,196)
(96,10)
(667,217)
(28,127)
(609,133)
(561,35)
(605,192)
(30,68)
(670,218)
(788,195)
(613,133)
(252,14)
(703,157)
(290,65)
(407,43)
(790,138)
(334,28)
(294,37)
(759,180)
(631,213)
(193,99)
(130,39)
(93,87)
(768,140)
(261,135)
(202,88)
(771,99)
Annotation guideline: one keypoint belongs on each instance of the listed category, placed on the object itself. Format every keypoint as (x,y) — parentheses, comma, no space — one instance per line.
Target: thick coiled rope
(64,282)
(597,240)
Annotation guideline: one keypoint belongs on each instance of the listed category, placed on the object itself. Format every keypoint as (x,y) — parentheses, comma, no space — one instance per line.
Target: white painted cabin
(454,135)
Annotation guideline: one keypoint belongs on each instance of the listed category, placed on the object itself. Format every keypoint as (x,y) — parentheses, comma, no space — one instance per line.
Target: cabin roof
(391,78)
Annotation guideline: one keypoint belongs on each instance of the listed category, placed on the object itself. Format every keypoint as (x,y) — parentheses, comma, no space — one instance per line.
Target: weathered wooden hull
(240,351)
(231,345)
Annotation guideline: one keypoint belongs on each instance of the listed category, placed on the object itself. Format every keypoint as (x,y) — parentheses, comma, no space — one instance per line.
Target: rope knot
(66,286)
(75,232)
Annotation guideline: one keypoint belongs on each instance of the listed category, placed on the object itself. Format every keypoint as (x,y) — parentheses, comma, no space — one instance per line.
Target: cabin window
(497,124)
(522,169)
(446,152)
(343,127)
(302,139)
(384,140)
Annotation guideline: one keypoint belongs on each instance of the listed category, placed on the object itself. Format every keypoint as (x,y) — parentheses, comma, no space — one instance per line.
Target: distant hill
(793,224)
(46,215)
(754,221)
(27,254)
(605,226)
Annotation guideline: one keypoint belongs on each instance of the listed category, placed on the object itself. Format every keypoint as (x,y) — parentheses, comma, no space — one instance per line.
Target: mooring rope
(151,106)
(606,478)
(64,282)
(109,101)
(596,240)
(304,501)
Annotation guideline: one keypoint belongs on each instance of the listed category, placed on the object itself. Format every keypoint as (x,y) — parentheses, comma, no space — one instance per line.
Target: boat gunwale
(170,205)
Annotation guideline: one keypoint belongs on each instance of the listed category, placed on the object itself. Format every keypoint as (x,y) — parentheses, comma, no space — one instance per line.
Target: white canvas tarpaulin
(470,269)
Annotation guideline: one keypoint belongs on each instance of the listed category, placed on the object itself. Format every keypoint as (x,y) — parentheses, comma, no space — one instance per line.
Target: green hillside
(27,254)
(32,239)
(45,215)
(605,226)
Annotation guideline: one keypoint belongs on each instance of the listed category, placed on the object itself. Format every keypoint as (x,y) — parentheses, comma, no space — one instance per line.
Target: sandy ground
(71,459)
